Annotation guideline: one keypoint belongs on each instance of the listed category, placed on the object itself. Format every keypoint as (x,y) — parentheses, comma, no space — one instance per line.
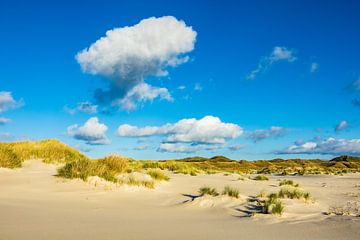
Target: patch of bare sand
(34,204)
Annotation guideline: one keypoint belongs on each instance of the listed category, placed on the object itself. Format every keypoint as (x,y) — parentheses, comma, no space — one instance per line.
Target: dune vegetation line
(73,164)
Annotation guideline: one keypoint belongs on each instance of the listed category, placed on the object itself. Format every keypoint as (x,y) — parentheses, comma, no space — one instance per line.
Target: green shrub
(261,178)
(288,182)
(208,191)
(231,192)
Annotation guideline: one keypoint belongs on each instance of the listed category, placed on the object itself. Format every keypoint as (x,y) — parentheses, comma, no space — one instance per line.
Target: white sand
(36,205)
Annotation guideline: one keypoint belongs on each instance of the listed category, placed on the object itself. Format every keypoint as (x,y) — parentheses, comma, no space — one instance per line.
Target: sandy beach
(35,204)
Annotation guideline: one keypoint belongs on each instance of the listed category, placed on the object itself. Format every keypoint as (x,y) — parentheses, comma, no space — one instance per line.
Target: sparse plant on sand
(261,178)
(273,205)
(288,182)
(231,192)
(208,191)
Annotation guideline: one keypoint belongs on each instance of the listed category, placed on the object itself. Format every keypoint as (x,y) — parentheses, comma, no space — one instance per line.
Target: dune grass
(13,154)
(294,193)
(158,175)
(261,178)
(273,205)
(107,168)
(288,182)
(231,192)
(50,151)
(208,191)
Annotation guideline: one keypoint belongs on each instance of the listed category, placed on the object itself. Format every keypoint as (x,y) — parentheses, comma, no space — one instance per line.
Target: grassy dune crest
(50,151)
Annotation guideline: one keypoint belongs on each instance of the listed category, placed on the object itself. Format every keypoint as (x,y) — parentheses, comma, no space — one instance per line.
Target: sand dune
(34,204)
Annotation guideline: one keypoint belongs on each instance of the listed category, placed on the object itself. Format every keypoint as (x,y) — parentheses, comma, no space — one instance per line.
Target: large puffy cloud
(128,55)
(7,102)
(278,54)
(92,132)
(331,146)
(261,134)
(207,130)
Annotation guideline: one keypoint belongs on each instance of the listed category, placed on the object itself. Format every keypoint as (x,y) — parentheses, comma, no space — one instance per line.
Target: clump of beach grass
(293,193)
(158,175)
(261,178)
(273,205)
(288,182)
(208,191)
(231,192)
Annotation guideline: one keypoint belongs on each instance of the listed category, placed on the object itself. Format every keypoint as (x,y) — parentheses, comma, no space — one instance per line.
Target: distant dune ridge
(13,154)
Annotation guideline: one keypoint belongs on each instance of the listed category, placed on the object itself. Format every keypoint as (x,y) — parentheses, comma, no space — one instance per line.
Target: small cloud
(314,67)
(4,121)
(7,102)
(6,136)
(261,134)
(341,126)
(278,54)
(182,87)
(198,87)
(141,148)
(83,149)
(185,148)
(84,107)
(330,146)
(142,93)
(355,85)
(236,147)
(92,132)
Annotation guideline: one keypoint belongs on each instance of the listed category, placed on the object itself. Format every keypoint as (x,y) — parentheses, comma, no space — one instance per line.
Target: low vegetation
(273,205)
(50,151)
(208,191)
(76,165)
(288,182)
(158,175)
(294,193)
(231,192)
(261,178)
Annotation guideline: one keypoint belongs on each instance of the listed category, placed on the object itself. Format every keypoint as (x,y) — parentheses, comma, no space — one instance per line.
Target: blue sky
(304,56)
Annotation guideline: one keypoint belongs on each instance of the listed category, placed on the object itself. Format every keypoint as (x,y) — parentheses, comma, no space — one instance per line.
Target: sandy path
(36,205)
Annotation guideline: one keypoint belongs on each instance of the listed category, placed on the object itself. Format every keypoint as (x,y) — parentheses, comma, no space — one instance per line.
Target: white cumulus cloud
(209,129)
(7,102)
(278,54)
(127,56)
(92,132)
(331,146)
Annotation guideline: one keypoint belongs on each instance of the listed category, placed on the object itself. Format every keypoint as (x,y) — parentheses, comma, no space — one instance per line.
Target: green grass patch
(208,191)
(231,192)
(158,175)
(288,182)
(261,178)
